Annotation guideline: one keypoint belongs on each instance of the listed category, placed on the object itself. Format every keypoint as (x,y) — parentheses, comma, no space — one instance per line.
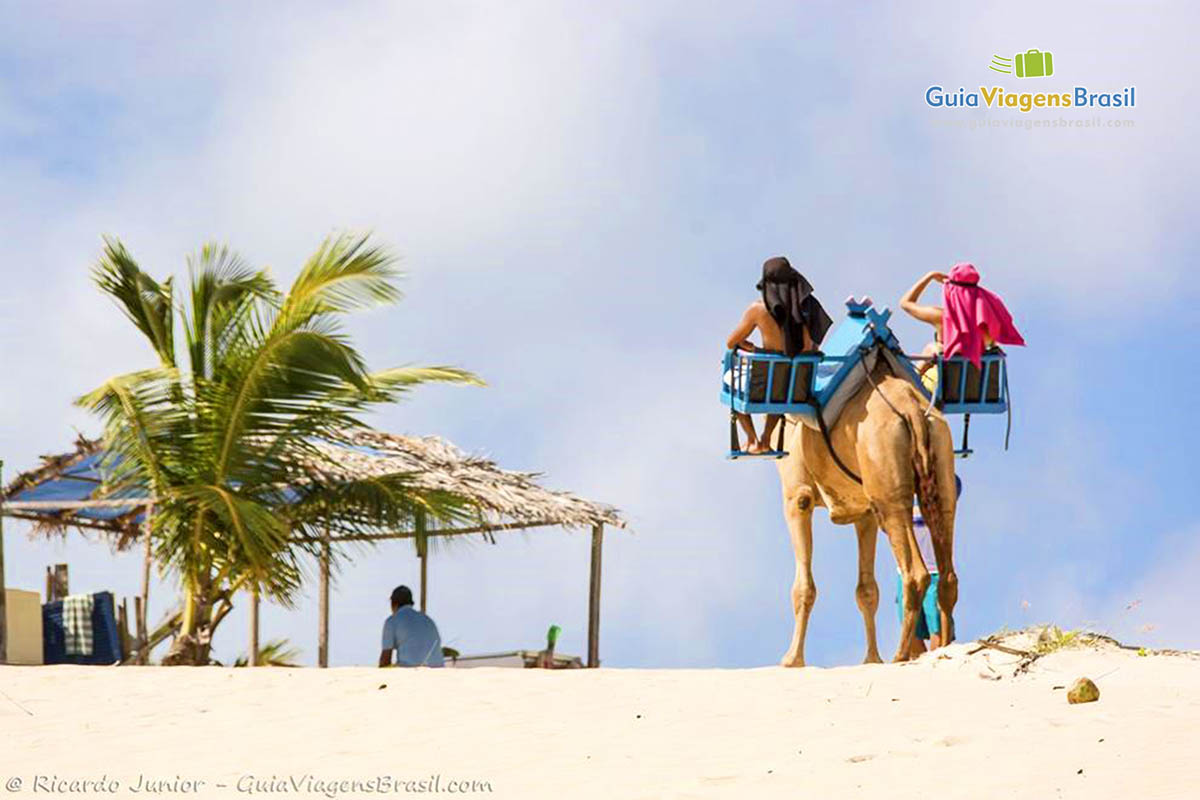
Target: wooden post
(60,582)
(253,660)
(143,609)
(123,627)
(422,541)
(323,605)
(3,590)
(424,573)
(593,657)
(140,634)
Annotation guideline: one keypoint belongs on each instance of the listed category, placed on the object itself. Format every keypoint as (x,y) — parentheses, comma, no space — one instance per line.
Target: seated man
(411,634)
(790,320)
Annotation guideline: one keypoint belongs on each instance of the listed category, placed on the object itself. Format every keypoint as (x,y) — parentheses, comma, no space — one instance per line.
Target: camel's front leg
(797,509)
(867,590)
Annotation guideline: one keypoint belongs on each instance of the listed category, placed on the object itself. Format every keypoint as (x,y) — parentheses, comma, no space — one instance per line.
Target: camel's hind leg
(943,535)
(914,576)
(867,590)
(798,509)
(888,482)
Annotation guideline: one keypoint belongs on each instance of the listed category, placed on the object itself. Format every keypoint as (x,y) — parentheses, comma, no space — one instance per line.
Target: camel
(884,436)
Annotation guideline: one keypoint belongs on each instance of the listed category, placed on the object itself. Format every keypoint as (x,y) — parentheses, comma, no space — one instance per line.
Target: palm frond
(148,304)
(275,653)
(345,274)
(223,290)
(140,410)
(389,382)
(249,536)
(291,379)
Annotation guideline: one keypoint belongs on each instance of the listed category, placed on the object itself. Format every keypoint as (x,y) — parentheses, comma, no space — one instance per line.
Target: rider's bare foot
(757,446)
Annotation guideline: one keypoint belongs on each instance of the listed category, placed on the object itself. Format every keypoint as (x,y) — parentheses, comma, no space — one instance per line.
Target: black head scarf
(789,299)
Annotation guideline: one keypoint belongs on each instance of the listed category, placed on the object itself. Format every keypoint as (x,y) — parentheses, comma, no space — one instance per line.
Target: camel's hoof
(873,658)
(790,661)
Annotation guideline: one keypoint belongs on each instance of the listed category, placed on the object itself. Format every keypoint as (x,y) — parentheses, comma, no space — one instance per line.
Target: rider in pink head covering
(973,317)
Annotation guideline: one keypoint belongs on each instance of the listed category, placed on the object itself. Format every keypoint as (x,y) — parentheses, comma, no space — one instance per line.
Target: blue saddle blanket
(852,351)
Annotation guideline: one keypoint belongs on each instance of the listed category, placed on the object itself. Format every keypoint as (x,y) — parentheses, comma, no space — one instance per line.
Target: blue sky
(582,199)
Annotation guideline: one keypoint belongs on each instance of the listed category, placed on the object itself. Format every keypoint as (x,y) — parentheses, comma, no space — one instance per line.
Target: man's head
(789,299)
(401,597)
(779,270)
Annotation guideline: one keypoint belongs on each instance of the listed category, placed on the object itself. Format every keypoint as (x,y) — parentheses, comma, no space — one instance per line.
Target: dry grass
(1051,639)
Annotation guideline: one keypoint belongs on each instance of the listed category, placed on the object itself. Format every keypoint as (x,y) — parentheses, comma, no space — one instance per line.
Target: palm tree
(224,429)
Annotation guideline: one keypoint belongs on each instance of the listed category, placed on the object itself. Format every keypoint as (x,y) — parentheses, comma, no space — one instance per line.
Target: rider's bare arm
(928,358)
(740,338)
(910,301)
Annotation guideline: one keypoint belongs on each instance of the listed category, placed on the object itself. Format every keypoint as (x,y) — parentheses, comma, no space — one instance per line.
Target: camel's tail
(926,480)
(924,474)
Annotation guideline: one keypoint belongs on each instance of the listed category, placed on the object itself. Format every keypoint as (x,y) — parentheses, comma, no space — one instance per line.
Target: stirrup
(965,451)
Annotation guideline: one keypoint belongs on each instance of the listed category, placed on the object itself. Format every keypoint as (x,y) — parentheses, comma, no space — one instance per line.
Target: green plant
(275,653)
(1051,639)
(224,430)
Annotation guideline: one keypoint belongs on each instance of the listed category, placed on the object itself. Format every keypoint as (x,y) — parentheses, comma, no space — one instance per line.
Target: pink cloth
(969,312)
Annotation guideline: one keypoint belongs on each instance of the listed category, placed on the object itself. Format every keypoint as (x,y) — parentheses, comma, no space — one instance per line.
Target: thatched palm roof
(66,490)
(435,464)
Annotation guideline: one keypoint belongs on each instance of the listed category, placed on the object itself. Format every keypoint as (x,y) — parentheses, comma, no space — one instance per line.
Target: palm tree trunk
(192,646)
(189,612)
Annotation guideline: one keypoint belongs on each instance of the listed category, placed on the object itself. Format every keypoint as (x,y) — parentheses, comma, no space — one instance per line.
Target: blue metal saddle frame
(802,385)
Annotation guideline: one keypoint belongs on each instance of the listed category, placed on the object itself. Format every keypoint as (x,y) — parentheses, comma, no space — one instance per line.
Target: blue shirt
(414,637)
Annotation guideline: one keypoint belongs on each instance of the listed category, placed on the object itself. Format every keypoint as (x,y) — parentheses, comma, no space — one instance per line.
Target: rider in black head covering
(790,301)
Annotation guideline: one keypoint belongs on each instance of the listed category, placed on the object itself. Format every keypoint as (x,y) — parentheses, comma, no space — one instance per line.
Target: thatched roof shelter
(505,499)
(67,491)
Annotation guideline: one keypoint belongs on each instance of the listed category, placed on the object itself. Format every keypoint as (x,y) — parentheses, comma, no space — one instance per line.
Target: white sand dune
(951,725)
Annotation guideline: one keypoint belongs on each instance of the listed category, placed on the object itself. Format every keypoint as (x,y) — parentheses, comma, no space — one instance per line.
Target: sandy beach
(954,724)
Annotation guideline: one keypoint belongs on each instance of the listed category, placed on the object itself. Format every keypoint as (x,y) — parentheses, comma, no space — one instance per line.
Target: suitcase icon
(1035,64)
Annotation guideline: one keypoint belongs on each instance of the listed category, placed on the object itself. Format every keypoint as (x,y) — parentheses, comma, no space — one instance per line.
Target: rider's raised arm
(909,302)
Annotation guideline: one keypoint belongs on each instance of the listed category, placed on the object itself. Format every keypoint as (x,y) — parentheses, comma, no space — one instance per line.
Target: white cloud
(583,198)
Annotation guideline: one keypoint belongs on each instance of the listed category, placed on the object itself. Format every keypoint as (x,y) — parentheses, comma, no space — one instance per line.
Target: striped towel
(77,624)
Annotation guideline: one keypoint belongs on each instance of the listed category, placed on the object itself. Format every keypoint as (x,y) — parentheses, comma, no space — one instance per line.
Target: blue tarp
(76,484)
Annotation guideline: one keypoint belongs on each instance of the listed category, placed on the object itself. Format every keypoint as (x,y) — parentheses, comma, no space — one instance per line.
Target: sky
(581,197)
